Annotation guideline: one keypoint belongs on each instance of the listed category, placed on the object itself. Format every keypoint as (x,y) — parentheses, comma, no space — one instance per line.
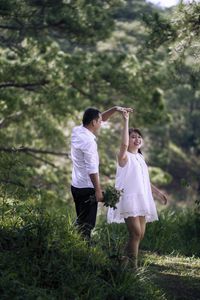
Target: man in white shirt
(85,171)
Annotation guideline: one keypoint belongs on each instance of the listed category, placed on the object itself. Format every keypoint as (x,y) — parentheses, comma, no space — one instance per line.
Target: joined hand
(124,109)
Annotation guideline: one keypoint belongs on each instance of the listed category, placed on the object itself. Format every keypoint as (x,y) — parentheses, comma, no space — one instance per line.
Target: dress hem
(122,217)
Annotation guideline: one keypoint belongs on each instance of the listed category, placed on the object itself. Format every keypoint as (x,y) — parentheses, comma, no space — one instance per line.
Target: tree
(38,84)
(178,149)
(52,68)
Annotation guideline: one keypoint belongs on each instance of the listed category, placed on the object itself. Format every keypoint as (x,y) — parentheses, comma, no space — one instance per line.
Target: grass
(177,276)
(43,257)
(170,251)
(176,231)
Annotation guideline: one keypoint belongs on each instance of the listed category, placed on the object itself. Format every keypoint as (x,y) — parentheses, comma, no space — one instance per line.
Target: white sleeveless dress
(137,199)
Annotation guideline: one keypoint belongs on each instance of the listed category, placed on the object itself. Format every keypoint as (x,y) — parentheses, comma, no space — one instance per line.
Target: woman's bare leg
(135,234)
(142,226)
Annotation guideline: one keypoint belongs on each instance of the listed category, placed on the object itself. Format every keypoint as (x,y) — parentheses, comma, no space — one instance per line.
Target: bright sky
(167,3)
(164,3)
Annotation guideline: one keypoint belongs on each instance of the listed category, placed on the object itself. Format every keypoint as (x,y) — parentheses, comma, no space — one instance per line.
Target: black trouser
(86,211)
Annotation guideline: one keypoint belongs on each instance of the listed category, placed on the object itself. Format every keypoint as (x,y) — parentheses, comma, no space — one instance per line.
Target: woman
(136,206)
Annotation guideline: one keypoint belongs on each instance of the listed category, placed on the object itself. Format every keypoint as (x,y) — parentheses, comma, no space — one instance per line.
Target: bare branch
(12,182)
(33,150)
(27,86)
(10,27)
(43,160)
(13,117)
(81,91)
(17,183)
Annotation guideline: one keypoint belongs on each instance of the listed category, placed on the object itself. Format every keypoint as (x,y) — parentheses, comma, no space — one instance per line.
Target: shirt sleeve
(91,157)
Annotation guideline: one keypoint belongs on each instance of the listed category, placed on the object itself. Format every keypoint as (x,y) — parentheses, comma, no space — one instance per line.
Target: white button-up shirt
(84,155)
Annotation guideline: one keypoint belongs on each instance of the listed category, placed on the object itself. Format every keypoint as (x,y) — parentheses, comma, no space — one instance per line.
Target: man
(85,171)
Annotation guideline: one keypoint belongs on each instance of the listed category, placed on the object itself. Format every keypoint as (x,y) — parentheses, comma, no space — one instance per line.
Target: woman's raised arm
(122,155)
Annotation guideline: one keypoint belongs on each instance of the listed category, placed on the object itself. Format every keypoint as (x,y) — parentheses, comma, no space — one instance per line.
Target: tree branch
(10,27)
(13,117)
(27,86)
(33,150)
(43,160)
(17,183)
(81,91)
(12,182)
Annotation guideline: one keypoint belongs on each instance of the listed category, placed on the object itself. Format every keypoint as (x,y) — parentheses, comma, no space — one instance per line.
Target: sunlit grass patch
(177,275)
(177,264)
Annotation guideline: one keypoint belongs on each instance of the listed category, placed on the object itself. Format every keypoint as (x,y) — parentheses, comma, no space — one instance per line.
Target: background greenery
(56,59)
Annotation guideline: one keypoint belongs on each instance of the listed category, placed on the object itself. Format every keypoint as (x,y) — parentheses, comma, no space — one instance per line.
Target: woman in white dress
(136,205)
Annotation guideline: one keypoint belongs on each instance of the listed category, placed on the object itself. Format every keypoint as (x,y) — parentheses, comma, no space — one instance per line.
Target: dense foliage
(56,59)
(52,68)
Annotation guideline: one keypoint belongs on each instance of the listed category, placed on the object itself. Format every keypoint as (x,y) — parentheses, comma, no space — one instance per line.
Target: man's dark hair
(89,115)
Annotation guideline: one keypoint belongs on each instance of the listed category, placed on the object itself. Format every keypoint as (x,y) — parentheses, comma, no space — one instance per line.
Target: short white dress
(137,199)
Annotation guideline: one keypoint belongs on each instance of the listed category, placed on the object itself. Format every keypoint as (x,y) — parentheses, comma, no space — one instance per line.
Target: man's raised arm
(108,113)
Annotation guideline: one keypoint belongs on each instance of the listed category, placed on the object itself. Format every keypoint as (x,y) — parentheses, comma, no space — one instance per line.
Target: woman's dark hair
(89,115)
(136,130)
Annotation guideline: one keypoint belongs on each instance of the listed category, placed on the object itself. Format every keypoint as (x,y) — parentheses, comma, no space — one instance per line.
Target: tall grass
(176,231)
(43,257)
